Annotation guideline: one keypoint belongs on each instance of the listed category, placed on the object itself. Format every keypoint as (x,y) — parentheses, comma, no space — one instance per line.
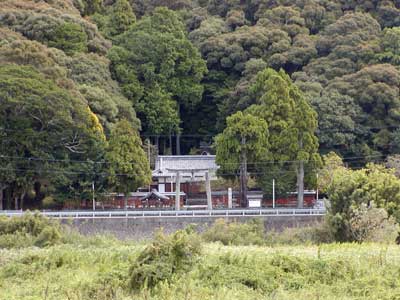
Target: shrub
(28,230)
(372,225)
(251,233)
(166,256)
(69,37)
(47,237)
(317,233)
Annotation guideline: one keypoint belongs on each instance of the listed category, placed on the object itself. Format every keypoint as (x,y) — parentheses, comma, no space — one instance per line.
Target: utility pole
(229,197)
(273,193)
(317,187)
(148,157)
(93,199)
(243,175)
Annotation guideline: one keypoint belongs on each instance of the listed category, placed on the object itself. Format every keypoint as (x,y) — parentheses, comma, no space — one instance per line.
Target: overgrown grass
(180,266)
(336,271)
(254,233)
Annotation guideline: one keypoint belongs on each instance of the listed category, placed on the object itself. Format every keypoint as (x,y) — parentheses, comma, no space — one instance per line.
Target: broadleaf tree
(40,124)
(155,53)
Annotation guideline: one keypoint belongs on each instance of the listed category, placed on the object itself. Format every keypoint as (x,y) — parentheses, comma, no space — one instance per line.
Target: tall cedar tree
(244,140)
(291,122)
(129,167)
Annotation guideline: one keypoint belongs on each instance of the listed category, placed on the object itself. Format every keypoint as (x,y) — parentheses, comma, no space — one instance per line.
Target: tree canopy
(127,163)
(310,69)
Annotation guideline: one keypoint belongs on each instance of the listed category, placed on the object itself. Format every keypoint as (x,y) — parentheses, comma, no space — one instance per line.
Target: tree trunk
(1,198)
(178,136)
(157,145)
(22,200)
(243,176)
(126,201)
(170,143)
(16,203)
(164,146)
(300,185)
(178,144)
(300,179)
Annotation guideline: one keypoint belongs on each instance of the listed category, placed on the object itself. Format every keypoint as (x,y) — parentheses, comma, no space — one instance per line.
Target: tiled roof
(165,164)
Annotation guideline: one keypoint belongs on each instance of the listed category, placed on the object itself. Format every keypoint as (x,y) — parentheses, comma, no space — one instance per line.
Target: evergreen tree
(122,17)
(291,122)
(128,165)
(243,143)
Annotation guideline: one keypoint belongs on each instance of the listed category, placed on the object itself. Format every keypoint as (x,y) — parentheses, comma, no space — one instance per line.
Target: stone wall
(144,228)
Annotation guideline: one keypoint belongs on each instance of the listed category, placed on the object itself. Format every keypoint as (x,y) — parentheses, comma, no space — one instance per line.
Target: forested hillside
(81,79)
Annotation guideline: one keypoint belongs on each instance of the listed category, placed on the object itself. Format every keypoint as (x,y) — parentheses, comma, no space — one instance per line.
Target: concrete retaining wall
(143,228)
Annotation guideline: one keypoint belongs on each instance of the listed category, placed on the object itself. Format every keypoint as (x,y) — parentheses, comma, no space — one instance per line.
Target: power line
(56,171)
(355,130)
(349,158)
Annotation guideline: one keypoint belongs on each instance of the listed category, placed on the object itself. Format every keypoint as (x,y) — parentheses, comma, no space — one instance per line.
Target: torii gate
(178,185)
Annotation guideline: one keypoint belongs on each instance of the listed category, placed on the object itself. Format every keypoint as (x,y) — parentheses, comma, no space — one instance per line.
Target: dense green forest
(86,86)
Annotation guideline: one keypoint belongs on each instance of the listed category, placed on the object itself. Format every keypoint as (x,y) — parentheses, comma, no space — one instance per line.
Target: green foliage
(101,269)
(254,233)
(332,163)
(28,230)
(122,17)
(372,225)
(115,19)
(315,234)
(375,90)
(291,120)
(245,135)
(232,233)
(338,118)
(349,190)
(46,122)
(92,75)
(289,117)
(91,6)
(68,37)
(165,257)
(127,162)
(390,46)
(155,55)
(343,55)
(57,22)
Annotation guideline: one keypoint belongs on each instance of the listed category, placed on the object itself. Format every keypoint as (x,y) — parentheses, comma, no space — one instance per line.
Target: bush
(251,233)
(254,233)
(165,257)
(69,37)
(317,233)
(28,230)
(372,225)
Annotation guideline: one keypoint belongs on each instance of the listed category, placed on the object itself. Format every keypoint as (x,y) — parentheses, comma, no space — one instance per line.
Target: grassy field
(98,268)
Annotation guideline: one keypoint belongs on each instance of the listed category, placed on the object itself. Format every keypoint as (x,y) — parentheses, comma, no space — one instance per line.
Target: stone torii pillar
(178,185)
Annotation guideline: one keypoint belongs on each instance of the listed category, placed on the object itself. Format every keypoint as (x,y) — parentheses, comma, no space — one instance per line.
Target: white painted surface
(254,203)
